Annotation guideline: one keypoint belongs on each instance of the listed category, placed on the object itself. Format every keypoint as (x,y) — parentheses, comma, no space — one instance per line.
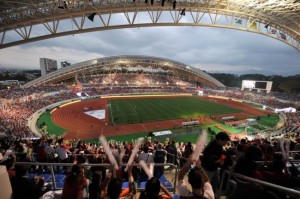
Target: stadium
(99,118)
(112,87)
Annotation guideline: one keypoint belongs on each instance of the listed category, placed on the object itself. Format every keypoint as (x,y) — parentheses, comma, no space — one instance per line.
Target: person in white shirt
(148,157)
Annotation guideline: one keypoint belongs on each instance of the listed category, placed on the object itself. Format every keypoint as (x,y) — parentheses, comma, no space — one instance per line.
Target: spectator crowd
(219,154)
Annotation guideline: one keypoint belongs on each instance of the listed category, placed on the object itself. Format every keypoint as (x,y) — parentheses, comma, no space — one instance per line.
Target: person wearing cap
(213,158)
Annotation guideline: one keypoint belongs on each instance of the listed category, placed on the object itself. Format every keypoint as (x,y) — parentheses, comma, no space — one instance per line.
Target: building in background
(47,65)
(259,86)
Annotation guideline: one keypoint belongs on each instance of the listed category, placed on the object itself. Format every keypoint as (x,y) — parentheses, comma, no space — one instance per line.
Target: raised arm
(132,188)
(165,190)
(203,173)
(185,168)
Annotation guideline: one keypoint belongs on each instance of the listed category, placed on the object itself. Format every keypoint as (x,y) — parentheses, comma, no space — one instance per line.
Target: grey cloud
(209,48)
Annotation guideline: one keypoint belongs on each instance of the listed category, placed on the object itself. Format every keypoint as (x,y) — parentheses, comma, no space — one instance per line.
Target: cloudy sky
(210,49)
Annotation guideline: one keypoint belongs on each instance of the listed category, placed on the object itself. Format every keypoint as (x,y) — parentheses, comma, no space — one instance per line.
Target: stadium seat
(31,175)
(47,177)
(143,185)
(163,178)
(59,177)
(246,190)
(176,196)
(59,185)
(125,185)
(167,184)
(230,188)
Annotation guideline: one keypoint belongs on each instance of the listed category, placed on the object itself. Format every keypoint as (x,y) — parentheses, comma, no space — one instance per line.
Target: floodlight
(182,12)
(91,16)
(267,25)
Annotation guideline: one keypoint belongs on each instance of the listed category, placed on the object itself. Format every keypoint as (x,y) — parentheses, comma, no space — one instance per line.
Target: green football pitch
(126,111)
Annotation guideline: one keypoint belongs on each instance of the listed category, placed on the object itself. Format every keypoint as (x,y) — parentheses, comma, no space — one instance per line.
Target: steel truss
(118,63)
(33,20)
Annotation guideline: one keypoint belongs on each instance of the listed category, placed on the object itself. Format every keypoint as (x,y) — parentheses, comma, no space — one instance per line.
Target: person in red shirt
(74,184)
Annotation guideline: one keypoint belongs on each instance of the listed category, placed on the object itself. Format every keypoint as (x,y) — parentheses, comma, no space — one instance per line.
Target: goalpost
(108,106)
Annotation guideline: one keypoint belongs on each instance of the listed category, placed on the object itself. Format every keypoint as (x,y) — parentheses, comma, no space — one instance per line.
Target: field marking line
(132,108)
(110,110)
(177,106)
(124,115)
(144,127)
(114,107)
(118,107)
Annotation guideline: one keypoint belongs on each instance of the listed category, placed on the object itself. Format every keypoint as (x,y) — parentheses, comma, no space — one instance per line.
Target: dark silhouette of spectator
(211,159)
(172,153)
(95,186)
(246,164)
(153,188)
(24,187)
(241,148)
(197,178)
(159,157)
(188,150)
(112,187)
(277,175)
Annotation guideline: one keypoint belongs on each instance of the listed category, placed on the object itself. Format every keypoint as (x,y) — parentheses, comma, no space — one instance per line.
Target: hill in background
(281,84)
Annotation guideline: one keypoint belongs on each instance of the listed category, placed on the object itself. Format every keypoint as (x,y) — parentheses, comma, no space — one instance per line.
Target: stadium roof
(26,21)
(115,64)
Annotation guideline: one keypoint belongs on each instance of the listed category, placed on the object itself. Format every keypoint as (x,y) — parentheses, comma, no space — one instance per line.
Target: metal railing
(288,191)
(52,172)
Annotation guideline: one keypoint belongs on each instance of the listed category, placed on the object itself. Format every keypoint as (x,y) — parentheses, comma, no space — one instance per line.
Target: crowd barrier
(240,182)
(53,178)
(226,179)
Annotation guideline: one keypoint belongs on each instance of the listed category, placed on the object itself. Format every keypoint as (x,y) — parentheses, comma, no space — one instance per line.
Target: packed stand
(219,154)
(273,99)
(23,92)
(14,117)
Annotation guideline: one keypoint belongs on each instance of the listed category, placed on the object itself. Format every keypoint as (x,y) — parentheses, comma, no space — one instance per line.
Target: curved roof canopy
(23,21)
(126,63)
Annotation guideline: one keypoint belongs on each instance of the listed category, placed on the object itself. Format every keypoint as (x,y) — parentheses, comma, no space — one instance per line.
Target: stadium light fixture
(267,25)
(91,16)
(182,12)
